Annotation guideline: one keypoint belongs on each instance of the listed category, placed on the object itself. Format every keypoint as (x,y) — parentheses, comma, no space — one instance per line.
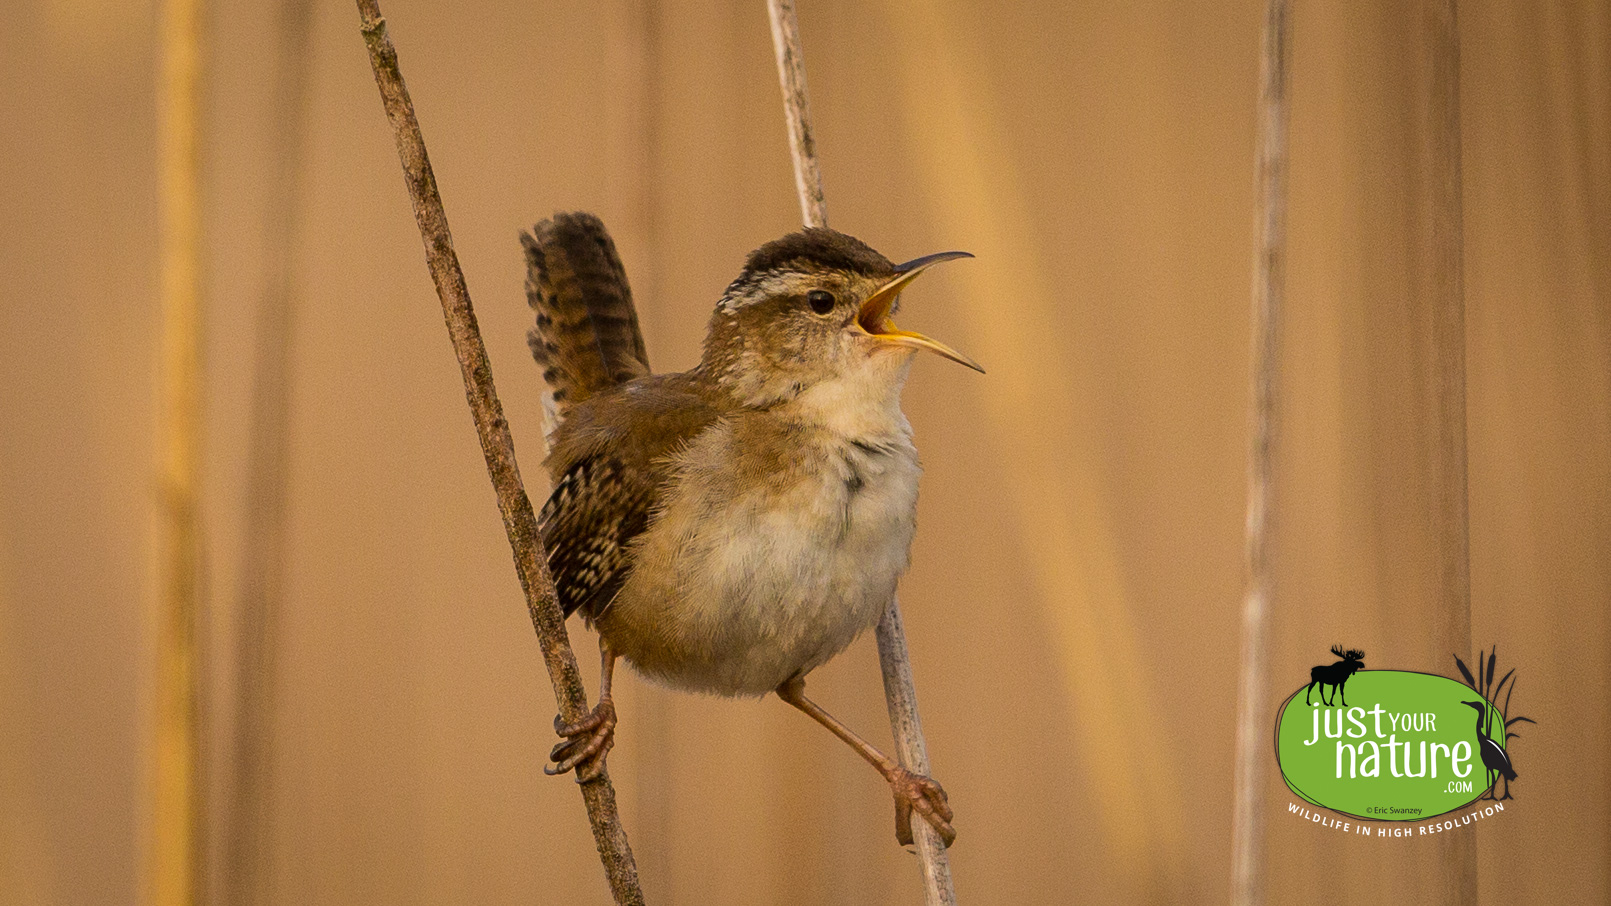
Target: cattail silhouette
(1495,758)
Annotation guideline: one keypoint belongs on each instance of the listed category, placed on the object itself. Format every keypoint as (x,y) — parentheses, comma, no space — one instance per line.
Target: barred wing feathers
(588,523)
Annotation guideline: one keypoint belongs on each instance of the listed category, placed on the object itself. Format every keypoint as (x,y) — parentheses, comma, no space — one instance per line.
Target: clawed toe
(914,792)
(587,743)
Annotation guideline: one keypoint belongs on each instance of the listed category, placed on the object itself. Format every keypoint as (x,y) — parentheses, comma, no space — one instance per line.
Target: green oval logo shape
(1406,747)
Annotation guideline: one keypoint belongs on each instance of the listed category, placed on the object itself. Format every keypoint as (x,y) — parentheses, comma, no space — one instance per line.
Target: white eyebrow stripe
(771,283)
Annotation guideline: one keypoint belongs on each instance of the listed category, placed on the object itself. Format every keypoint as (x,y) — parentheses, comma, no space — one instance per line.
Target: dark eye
(821,301)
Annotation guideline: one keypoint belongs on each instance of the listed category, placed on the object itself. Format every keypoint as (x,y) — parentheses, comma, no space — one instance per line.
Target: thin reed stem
(1440,315)
(520,522)
(177,811)
(797,111)
(1269,274)
(899,692)
(248,821)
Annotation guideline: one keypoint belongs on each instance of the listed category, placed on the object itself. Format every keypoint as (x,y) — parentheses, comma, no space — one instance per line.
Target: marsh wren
(730,528)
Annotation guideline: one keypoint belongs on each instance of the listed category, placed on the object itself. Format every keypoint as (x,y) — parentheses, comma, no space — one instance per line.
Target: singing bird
(730,528)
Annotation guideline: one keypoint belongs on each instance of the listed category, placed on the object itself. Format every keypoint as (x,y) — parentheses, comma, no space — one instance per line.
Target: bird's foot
(586,744)
(914,792)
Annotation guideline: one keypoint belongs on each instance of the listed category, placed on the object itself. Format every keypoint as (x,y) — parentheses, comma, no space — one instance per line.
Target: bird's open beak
(874,315)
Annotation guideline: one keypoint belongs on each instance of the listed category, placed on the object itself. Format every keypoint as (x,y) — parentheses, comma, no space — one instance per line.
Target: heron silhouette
(1493,757)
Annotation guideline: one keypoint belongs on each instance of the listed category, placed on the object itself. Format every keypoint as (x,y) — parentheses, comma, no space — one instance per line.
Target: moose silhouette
(1335,675)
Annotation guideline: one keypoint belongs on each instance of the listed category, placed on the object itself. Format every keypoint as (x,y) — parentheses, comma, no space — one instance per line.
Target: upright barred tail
(587,337)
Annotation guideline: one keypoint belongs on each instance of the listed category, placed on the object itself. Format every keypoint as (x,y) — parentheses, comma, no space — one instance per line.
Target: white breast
(740,585)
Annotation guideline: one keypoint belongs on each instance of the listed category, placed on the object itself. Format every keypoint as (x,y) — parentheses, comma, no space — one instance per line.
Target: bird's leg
(590,739)
(912,791)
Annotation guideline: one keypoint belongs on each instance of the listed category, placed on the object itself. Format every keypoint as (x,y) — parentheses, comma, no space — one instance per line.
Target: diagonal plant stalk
(899,692)
(520,522)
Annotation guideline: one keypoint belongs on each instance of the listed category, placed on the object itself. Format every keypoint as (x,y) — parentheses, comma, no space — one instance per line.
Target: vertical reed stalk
(249,821)
(519,520)
(1439,306)
(797,111)
(1269,273)
(901,696)
(899,692)
(176,810)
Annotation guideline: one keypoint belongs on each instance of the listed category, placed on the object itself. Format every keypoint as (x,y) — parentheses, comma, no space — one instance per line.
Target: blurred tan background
(1073,602)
